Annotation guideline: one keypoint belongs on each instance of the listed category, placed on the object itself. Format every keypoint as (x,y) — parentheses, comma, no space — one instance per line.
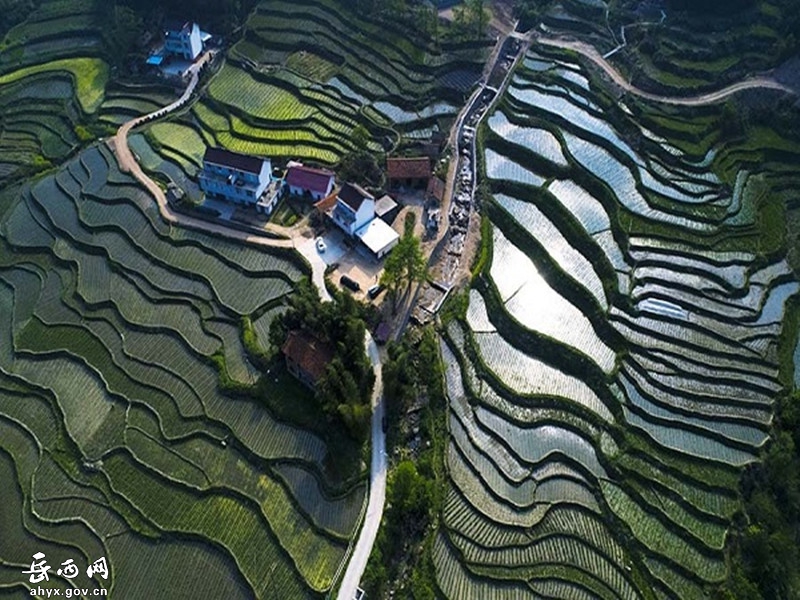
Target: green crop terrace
(617,367)
(53,76)
(693,47)
(114,328)
(306,74)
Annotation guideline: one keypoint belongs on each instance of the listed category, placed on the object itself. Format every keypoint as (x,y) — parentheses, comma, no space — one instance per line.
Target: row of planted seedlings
(151,312)
(676,536)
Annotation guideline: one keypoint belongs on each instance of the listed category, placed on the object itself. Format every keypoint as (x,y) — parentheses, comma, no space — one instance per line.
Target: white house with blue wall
(184,39)
(238,178)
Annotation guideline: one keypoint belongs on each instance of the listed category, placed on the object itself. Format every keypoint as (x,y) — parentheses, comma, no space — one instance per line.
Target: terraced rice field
(54,29)
(608,383)
(686,52)
(38,128)
(307,73)
(115,437)
(52,83)
(124,102)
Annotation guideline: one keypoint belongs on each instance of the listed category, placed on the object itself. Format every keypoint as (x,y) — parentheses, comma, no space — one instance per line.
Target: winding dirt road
(592,54)
(128,164)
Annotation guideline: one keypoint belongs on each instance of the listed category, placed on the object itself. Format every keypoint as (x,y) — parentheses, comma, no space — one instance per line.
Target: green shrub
(260,358)
(83,134)
(484,255)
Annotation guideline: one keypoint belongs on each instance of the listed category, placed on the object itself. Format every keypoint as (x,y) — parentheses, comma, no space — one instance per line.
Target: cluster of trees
(765,558)
(124,25)
(409,496)
(218,16)
(422,17)
(361,166)
(530,11)
(125,21)
(345,390)
(710,6)
(734,15)
(470,19)
(409,370)
(419,16)
(14,11)
(405,264)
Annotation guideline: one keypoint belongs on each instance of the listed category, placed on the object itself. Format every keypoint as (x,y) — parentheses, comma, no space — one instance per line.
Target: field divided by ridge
(53,75)
(306,74)
(616,368)
(681,50)
(113,419)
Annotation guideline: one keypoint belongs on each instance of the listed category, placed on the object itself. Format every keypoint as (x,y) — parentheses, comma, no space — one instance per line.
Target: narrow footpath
(589,51)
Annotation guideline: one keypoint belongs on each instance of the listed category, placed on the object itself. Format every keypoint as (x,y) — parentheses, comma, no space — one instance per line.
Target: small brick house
(306,356)
(408,172)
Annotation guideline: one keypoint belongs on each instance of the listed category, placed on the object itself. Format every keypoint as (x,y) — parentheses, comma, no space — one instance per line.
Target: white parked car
(321,247)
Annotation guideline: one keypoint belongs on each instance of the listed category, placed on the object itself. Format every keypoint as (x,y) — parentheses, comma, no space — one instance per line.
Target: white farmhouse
(238,178)
(184,39)
(355,207)
(354,212)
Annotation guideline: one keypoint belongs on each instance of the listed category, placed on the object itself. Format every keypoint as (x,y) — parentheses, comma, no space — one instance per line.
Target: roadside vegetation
(766,548)
(345,390)
(765,541)
(400,563)
(405,264)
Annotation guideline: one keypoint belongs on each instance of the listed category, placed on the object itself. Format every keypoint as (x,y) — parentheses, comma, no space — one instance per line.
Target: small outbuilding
(378,237)
(436,189)
(409,172)
(386,209)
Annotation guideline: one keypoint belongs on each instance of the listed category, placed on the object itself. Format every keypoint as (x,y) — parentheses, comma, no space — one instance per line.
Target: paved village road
(377,485)
(592,54)
(307,248)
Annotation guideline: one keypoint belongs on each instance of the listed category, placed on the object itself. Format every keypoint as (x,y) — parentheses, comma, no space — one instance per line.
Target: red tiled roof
(311,354)
(313,180)
(326,204)
(408,168)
